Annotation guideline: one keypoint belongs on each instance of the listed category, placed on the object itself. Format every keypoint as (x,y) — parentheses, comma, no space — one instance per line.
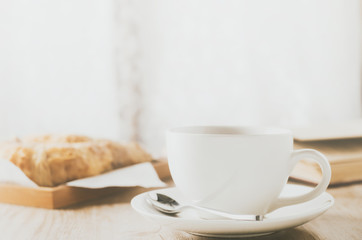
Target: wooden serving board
(63,196)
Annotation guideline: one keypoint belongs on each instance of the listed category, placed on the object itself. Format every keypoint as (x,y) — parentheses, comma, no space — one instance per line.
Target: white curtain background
(249,62)
(57,68)
(129,69)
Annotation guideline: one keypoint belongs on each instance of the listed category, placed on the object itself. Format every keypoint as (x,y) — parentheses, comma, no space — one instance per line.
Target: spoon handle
(241,217)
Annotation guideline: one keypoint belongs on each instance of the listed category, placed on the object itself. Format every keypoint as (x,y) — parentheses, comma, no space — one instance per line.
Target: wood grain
(113,218)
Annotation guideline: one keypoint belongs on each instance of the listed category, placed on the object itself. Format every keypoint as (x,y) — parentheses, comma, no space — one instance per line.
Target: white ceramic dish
(283,218)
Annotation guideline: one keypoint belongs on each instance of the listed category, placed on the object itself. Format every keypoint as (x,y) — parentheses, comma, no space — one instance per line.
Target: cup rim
(229,130)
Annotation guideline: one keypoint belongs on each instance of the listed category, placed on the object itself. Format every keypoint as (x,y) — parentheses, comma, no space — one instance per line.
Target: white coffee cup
(240,170)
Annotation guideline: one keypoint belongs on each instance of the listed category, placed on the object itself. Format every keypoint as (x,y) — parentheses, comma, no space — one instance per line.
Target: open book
(340,143)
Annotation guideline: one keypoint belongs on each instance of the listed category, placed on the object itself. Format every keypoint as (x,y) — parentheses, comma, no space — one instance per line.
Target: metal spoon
(168,205)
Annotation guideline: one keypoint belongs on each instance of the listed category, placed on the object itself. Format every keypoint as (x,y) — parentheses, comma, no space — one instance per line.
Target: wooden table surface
(113,218)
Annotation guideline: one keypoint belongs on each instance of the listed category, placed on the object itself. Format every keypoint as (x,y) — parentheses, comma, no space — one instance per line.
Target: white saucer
(283,218)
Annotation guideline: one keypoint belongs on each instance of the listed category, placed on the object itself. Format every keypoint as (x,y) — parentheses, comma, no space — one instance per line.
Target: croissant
(51,160)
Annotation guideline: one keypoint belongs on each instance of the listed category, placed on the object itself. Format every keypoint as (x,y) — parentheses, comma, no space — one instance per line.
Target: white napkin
(143,175)
(9,173)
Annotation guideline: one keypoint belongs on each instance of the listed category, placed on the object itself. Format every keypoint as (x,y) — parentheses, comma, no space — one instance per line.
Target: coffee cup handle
(298,155)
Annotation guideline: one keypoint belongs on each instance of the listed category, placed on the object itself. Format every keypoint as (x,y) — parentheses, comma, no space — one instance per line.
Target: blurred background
(130,69)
